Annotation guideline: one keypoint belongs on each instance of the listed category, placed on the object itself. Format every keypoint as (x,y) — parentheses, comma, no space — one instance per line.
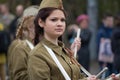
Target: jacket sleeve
(38,68)
(20,65)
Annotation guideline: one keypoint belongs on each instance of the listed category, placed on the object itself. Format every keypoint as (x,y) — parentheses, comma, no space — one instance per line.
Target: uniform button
(70,62)
(75,76)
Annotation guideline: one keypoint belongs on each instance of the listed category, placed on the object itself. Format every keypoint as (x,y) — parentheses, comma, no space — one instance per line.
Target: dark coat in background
(84,53)
(4,41)
(103,32)
(13,26)
(116,47)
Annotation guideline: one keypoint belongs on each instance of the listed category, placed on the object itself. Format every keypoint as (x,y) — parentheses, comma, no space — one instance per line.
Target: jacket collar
(56,48)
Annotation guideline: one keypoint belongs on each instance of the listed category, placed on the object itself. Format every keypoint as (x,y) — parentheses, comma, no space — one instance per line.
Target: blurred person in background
(14,23)
(4,38)
(17,59)
(6,17)
(19,49)
(2,70)
(115,43)
(105,55)
(85,35)
(2,54)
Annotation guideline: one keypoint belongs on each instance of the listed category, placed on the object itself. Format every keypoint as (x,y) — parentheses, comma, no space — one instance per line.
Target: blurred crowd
(107,42)
(8,26)
(107,39)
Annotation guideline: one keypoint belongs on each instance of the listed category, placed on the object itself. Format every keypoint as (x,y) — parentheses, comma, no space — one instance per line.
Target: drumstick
(104,69)
(78,34)
(75,54)
(85,71)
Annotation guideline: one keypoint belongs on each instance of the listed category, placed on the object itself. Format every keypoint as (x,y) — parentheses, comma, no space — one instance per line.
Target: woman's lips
(59,30)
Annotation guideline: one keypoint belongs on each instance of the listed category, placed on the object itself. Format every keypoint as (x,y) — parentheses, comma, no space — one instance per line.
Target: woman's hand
(77,42)
(92,77)
(114,77)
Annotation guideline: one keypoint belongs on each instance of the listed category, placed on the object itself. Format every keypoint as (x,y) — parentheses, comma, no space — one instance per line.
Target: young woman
(84,52)
(17,58)
(50,24)
(19,49)
(19,55)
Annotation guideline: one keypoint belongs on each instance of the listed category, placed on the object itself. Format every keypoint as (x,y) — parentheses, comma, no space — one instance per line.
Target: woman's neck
(52,39)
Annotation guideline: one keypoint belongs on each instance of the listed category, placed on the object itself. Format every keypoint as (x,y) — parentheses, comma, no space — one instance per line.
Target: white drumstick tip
(78,35)
(104,69)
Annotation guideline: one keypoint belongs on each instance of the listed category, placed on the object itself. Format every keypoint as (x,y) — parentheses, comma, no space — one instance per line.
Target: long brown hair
(26,21)
(43,14)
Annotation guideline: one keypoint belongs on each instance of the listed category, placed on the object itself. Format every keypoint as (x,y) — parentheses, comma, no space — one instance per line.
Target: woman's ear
(41,23)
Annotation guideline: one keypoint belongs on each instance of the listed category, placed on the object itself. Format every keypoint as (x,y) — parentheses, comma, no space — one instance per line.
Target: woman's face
(109,21)
(25,33)
(31,31)
(84,24)
(54,26)
(28,30)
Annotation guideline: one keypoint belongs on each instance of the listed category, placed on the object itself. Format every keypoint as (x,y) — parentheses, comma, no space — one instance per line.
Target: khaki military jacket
(18,64)
(42,67)
(11,48)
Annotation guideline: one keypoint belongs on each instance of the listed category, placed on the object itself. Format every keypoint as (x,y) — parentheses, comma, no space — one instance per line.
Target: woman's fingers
(77,42)
(92,77)
(114,77)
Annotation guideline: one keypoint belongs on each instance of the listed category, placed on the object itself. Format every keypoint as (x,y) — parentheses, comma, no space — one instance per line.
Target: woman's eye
(53,19)
(63,20)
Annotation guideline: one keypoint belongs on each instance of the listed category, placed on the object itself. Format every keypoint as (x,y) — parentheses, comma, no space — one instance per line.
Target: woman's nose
(59,23)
